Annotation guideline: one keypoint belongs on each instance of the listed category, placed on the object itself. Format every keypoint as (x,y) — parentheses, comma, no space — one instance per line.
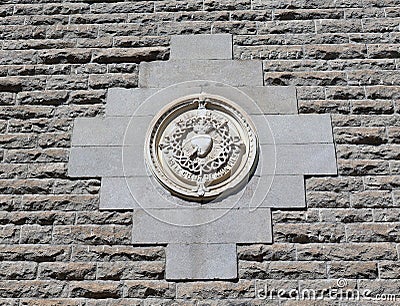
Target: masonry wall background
(57,60)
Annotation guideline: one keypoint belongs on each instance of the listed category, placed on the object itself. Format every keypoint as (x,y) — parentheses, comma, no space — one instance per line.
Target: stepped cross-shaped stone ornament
(201,152)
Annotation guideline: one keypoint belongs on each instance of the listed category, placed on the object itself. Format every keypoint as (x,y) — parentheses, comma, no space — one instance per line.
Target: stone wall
(57,60)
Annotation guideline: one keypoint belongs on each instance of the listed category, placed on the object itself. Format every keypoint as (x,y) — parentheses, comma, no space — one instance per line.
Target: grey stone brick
(309,232)
(389,269)
(201,261)
(203,46)
(303,159)
(129,55)
(300,129)
(344,269)
(124,102)
(347,252)
(106,161)
(18,270)
(130,270)
(263,252)
(145,289)
(9,234)
(39,253)
(183,225)
(274,99)
(282,270)
(234,73)
(223,290)
(256,99)
(91,234)
(95,289)
(32,289)
(110,254)
(32,234)
(138,192)
(110,131)
(67,271)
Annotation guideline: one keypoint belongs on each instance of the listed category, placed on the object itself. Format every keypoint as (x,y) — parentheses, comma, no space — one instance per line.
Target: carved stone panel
(201,152)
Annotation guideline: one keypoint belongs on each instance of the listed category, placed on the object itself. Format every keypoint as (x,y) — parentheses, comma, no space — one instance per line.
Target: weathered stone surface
(346,215)
(130,270)
(379,286)
(117,253)
(135,55)
(282,270)
(97,289)
(309,233)
(389,269)
(220,290)
(369,136)
(67,271)
(104,218)
(309,216)
(386,215)
(18,270)
(93,234)
(32,289)
(42,253)
(145,289)
(52,302)
(373,232)
(31,234)
(9,234)
(40,218)
(372,199)
(59,202)
(353,270)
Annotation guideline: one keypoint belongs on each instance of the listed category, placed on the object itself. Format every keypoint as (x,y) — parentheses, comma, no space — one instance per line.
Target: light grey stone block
(145,192)
(106,161)
(124,102)
(279,191)
(111,131)
(293,129)
(154,104)
(274,99)
(200,261)
(295,159)
(201,46)
(250,98)
(254,100)
(94,161)
(307,159)
(202,225)
(234,73)
(116,131)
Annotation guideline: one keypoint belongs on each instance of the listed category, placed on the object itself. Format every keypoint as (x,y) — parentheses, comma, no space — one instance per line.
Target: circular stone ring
(201,147)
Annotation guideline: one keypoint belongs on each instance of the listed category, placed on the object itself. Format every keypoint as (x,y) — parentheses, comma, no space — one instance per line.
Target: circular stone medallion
(201,146)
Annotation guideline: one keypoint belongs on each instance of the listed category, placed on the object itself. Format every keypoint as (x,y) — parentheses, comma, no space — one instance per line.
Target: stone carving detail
(201,147)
